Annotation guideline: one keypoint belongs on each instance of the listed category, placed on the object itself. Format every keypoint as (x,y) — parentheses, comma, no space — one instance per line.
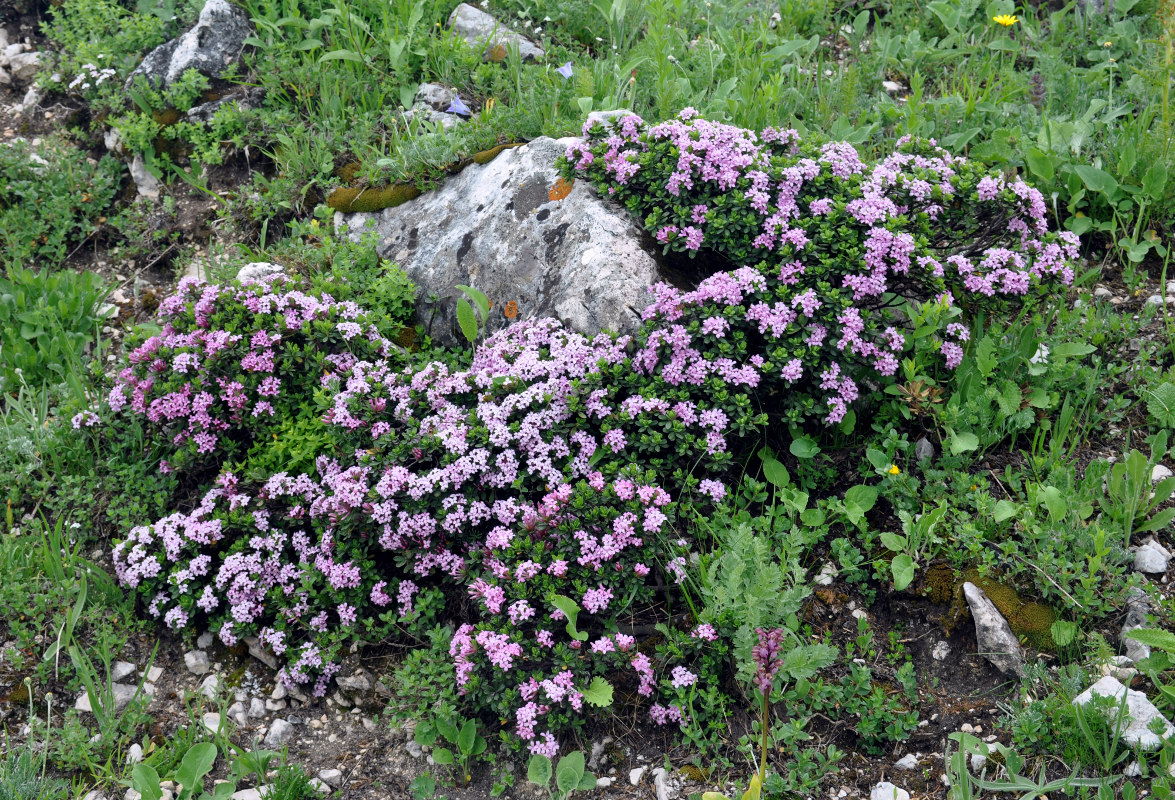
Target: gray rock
(93,794)
(605,118)
(359,682)
(414,749)
(827,574)
(978,761)
(940,651)
(887,791)
(258,793)
(1102,293)
(121,669)
(23,66)
(279,691)
(134,753)
(603,782)
(1157,300)
(579,259)
(238,714)
(1151,558)
(1137,609)
(249,98)
(31,100)
(319,786)
(635,775)
(275,705)
(1140,712)
(131,794)
(247,274)
(445,120)
(123,694)
(996,641)
(209,47)
(148,185)
(205,640)
(3,37)
(435,96)
(1160,473)
(907,762)
(5,78)
(154,674)
(258,269)
(331,777)
(256,708)
(661,783)
(482,30)
(279,733)
(212,721)
(197,662)
(924,450)
(210,686)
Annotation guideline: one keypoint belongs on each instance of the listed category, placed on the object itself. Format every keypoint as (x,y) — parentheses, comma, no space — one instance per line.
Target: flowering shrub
(233,361)
(829,248)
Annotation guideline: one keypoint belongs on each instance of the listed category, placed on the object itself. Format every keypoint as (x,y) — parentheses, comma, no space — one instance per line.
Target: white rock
(247,274)
(482,30)
(147,184)
(212,721)
(907,762)
(123,694)
(331,777)
(359,682)
(887,791)
(1120,667)
(1102,293)
(238,714)
(134,753)
(996,641)
(940,651)
(603,782)
(1160,472)
(892,87)
(210,686)
(279,733)
(1140,711)
(205,640)
(1150,559)
(279,691)
(661,783)
(250,794)
(319,786)
(414,749)
(635,775)
(209,47)
(121,669)
(1133,770)
(827,574)
(978,761)
(93,794)
(23,66)
(131,794)
(154,674)
(860,613)
(275,705)
(257,708)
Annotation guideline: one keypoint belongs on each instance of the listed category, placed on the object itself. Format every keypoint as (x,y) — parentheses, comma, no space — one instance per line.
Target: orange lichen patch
(561,189)
(511,310)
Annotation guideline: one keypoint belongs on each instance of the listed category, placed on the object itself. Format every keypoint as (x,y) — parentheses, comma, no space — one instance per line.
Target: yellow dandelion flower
(1007,20)
(893,470)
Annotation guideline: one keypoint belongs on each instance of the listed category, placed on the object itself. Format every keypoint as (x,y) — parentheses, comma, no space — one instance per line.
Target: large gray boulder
(212,44)
(482,30)
(580,259)
(1141,714)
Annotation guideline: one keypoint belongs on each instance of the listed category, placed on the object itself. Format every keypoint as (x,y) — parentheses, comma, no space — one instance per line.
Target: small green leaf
(467,737)
(964,442)
(467,320)
(903,571)
(598,693)
(775,472)
(442,755)
(893,542)
(1063,632)
(1151,637)
(587,782)
(569,771)
(1004,509)
(804,446)
(570,609)
(145,781)
(479,298)
(539,770)
(1155,181)
(1096,180)
(197,763)
(862,496)
(878,459)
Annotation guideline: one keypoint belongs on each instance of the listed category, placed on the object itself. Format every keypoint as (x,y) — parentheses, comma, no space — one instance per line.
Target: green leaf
(447,729)
(849,423)
(1151,637)
(1055,503)
(1096,180)
(467,320)
(1158,521)
(467,737)
(985,358)
(1063,632)
(341,55)
(963,442)
(903,571)
(775,472)
(1069,349)
(587,782)
(1004,510)
(539,770)
(878,459)
(806,660)
(862,496)
(197,763)
(1154,181)
(425,733)
(479,298)
(145,781)
(1040,163)
(570,609)
(804,446)
(598,693)
(569,771)
(893,541)
(1161,404)
(442,755)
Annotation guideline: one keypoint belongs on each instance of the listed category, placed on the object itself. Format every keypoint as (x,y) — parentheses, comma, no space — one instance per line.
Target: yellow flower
(893,470)
(1006,19)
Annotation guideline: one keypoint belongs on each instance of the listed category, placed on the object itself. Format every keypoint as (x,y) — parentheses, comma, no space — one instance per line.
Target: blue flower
(457,107)
(565,70)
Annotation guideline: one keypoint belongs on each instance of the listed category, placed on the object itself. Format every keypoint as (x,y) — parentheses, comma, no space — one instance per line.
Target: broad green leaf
(775,472)
(803,661)
(1063,632)
(804,446)
(903,571)
(145,781)
(754,788)
(587,782)
(893,541)
(598,693)
(1055,502)
(1095,179)
(862,496)
(442,755)
(1040,163)
(878,459)
(985,358)
(849,423)
(570,609)
(569,771)
(1004,509)
(479,298)
(425,733)
(467,737)
(197,762)
(1158,522)
(447,729)
(467,320)
(812,517)
(1151,637)
(1069,349)
(1154,181)
(341,55)
(964,442)
(539,770)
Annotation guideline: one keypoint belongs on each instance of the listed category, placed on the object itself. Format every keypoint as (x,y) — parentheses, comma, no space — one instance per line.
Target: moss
(486,156)
(347,198)
(1030,621)
(938,583)
(166,117)
(348,171)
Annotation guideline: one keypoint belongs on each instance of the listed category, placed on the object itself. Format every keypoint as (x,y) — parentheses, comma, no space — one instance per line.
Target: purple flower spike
(768,657)
(457,107)
(565,70)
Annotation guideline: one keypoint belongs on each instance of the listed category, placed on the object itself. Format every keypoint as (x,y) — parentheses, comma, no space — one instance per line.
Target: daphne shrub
(829,251)
(233,362)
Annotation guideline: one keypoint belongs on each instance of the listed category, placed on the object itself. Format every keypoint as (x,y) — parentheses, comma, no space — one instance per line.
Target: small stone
(210,686)
(123,694)
(940,651)
(892,87)
(414,748)
(279,691)
(369,725)
(134,753)
(154,674)
(24,66)
(996,641)
(887,791)
(661,783)
(279,733)
(250,794)
(1133,770)
(1102,293)
(131,794)
(248,274)
(197,662)
(212,721)
(204,640)
(603,782)
(319,786)
(482,30)
(147,184)
(978,761)
(435,96)
(924,450)
(1150,560)
(907,762)
(358,682)
(238,714)
(1160,473)
(827,574)
(121,669)
(860,613)
(635,775)
(275,705)
(257,708)
(331,777)
(93,794)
